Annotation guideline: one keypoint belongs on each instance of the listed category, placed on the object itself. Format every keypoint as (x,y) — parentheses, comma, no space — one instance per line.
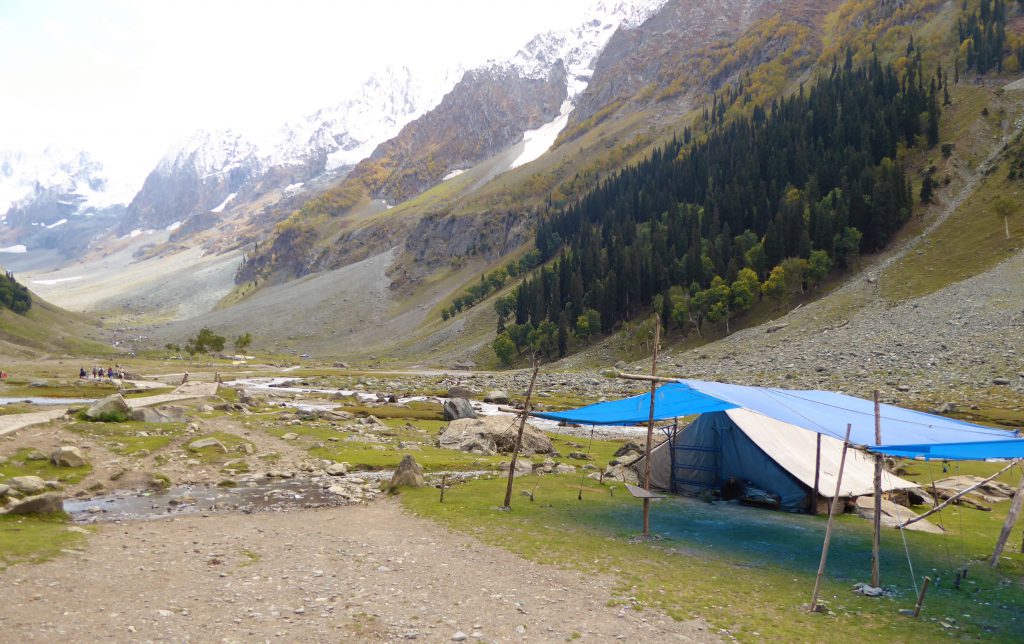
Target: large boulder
(67,456)
(493,434)
(111,406)
(456,408)
(497,397)
(407,474)
(49,503)
(27,484)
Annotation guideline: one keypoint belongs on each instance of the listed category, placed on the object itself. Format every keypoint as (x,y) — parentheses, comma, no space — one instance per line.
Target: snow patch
(60,222)
(452,174)
(56,281)
(175,226)
(224,203)
(292,188)
(135,233)
(17,248)
(537,142)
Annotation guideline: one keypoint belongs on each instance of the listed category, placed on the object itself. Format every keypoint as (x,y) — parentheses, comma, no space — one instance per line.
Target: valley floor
(357,573)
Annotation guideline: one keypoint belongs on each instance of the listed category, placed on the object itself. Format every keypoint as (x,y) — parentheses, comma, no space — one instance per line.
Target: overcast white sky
(125,79)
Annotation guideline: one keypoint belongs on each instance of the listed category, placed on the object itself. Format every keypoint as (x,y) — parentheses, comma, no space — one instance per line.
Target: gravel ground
(361,573)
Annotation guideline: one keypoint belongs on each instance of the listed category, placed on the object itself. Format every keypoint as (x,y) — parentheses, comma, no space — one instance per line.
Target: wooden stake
(876,537)
(519,436)
(828,527)
(1011,518)
(444,481)
(920,597)
(650,426)
(955,496)
(817,473)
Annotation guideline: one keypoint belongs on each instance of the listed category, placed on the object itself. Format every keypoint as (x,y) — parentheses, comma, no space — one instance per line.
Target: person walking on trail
(81,373)
(184,378)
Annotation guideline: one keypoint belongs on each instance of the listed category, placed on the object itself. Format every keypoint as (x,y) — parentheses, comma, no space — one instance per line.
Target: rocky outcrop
(27,484)
(493,434)
(488,110)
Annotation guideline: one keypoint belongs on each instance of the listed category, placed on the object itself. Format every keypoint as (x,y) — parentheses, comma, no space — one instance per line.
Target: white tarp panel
(794,449)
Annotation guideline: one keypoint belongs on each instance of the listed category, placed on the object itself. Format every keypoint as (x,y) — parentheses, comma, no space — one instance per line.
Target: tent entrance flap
(696,465)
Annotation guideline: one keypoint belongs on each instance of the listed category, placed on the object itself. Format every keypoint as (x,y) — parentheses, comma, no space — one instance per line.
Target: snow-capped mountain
(72,177)
(578,47)
(212,170)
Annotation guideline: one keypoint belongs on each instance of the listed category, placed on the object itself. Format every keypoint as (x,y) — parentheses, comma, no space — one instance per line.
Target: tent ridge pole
(519,436)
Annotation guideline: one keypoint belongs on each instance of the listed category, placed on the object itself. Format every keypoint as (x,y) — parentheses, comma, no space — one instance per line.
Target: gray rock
(1000,381)
(456,408)
(946,408)
(113,404)
(290,436)
(203,443)
(523,466)
(27,484)
(564,468)
(497,397)
(67,456)
(4,489)
(407,474)
(776,327)
(491,434)
(48,503)
(337,469)
(159,415)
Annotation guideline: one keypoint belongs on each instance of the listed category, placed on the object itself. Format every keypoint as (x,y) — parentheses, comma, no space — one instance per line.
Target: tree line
(758,207)
(13,295)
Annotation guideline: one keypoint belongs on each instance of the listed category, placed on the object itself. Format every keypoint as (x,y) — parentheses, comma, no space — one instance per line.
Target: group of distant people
(99,373)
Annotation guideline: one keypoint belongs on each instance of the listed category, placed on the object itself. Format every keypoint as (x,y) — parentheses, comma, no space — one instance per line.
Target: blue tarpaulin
(823,412)
(672,400)
(973,451)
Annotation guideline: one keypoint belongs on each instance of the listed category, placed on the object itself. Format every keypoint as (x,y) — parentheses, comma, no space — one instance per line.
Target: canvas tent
(769,437)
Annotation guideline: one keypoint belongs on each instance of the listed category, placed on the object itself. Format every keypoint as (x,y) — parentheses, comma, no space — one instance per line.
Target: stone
(564,468)
(407,474)
(629,446)
(290,436)
(4,489)
(893,515)
(456,408)
(776,327)
(35,455)
(1000,381)
(112,405)
(67,456)
(336,469)
(493,434)
(48,503)
(27,484)
(203,443)
(946,408)
(459,636)
(580,456)
(460,391)
(523,466)
(497,397)
(159,414)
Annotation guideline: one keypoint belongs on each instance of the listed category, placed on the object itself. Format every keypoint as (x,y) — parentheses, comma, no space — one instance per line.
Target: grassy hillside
(47,329)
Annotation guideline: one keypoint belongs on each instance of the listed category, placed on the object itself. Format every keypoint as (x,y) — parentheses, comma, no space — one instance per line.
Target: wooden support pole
(817,476)
(920,597)
(519,436)
(650,426)
(828,528)
(955,496)
(444,484)
(876,536)
(1011,519)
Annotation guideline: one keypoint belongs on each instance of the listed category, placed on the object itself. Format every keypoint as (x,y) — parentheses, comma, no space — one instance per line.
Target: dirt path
(13,422)
(367,573)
